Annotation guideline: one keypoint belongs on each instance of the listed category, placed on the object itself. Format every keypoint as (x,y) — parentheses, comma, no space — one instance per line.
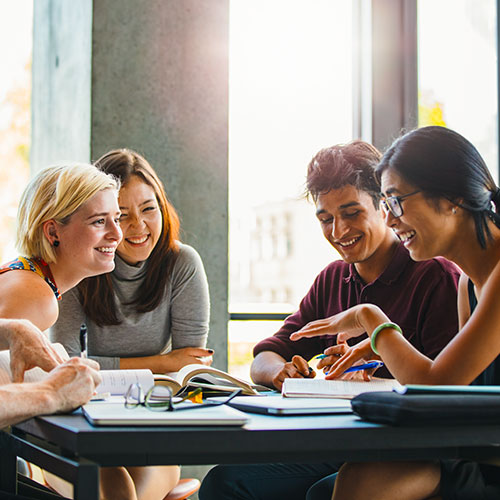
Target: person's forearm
(403,360)
(19,402)
(265,366)
(157,363)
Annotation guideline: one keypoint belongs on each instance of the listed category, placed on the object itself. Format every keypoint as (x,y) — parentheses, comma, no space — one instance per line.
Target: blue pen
(365,366)
(321,356)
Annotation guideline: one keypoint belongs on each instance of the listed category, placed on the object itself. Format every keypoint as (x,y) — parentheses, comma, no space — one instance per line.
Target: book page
(303,387)
(117,382)
(168,380)
(213,376)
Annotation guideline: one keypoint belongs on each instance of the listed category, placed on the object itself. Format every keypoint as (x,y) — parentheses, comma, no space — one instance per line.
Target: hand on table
(176,359)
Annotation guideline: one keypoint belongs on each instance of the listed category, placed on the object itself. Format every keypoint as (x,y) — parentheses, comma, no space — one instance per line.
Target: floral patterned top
(38,266)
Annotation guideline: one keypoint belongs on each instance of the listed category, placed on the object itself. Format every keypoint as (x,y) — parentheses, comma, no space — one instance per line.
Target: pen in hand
(83,341)
(365,366)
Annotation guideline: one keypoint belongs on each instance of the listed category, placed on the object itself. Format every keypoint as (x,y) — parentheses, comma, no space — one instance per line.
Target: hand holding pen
(83,341)
(355,368)
(341,357)
(296,368)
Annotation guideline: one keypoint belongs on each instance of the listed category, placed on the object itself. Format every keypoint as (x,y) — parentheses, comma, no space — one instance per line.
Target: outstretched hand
(345,322)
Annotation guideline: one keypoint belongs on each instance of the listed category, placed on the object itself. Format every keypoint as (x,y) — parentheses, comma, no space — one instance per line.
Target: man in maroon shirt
(376,268)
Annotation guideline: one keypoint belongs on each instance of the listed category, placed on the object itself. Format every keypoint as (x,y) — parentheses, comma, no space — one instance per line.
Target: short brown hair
(342,165)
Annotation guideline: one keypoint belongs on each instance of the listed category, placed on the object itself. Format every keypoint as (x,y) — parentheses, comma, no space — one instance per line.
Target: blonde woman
(68,229)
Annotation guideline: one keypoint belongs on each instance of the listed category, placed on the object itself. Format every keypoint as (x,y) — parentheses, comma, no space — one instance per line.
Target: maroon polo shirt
(421,297)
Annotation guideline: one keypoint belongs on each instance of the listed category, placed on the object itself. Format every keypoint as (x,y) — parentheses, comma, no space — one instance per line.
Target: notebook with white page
(317,388)
(278,405)
(113,412)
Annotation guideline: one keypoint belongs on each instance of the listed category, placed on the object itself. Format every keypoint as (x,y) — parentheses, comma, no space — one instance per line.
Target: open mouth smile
(106,250)
(348,243)
(406,236)
(138,240)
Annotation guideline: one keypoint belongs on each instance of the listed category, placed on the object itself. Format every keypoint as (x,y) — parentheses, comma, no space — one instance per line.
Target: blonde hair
(55,193)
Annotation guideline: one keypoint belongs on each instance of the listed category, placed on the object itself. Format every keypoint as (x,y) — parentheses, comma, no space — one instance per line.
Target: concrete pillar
(151,75)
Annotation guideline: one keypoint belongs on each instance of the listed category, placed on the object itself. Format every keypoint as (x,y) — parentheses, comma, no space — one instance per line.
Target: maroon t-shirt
(421,297)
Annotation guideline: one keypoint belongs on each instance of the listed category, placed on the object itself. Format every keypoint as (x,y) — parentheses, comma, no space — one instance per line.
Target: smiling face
(88,241)
(141,221)
(353,226)
(427,227)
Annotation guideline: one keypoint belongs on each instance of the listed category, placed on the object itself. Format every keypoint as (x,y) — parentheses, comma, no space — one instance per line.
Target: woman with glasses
(152,311)
(440,199)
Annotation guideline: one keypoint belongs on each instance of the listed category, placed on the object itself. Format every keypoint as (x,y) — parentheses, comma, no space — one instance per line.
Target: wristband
(379,328)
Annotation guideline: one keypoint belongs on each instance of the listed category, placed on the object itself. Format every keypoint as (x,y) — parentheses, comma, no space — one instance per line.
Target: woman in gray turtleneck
(152,311)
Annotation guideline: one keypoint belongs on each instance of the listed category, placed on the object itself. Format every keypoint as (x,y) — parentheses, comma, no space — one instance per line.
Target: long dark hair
(96,293)
(443,164)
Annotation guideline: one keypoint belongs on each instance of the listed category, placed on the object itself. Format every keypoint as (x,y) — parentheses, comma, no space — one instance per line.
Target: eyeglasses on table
(160,398)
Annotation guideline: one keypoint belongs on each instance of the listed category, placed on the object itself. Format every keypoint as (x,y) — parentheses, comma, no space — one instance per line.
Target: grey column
(151,75)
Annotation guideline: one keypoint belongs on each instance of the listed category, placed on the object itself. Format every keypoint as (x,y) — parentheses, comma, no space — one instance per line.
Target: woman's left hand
(178,358)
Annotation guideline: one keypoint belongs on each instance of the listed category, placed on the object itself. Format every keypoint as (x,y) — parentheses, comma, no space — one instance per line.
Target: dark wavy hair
(96,293)
(342,165)
(443,164)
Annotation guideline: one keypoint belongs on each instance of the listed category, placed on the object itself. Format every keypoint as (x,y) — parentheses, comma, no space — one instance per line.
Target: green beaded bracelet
(379,328)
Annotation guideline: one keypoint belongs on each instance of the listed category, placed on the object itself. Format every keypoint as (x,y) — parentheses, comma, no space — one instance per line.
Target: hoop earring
(56,243)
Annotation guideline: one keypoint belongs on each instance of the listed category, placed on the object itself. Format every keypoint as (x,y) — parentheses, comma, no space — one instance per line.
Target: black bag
(424,409)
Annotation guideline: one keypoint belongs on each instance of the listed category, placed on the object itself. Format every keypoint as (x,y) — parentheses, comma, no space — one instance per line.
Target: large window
(290,95)
(15,93)
(457,70)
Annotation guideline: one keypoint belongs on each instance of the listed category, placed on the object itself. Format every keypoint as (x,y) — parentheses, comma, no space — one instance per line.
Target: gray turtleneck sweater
(180,320)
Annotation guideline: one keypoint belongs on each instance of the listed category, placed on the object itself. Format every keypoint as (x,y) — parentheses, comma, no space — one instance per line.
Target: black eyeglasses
(393,203)
(160,398)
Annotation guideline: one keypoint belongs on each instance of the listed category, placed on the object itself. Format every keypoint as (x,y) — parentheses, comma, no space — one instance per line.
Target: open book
(318,388)
(116,382)
(207,377)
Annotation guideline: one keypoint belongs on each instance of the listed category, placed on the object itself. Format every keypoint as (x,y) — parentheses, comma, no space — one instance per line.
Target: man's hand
(297,368)
(71,384)
(29,347)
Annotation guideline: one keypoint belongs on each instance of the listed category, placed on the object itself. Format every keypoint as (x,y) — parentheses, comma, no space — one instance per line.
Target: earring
(454,211)
(56,243)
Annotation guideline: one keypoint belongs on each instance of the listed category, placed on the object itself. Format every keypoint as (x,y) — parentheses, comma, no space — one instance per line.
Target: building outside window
(290,94)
